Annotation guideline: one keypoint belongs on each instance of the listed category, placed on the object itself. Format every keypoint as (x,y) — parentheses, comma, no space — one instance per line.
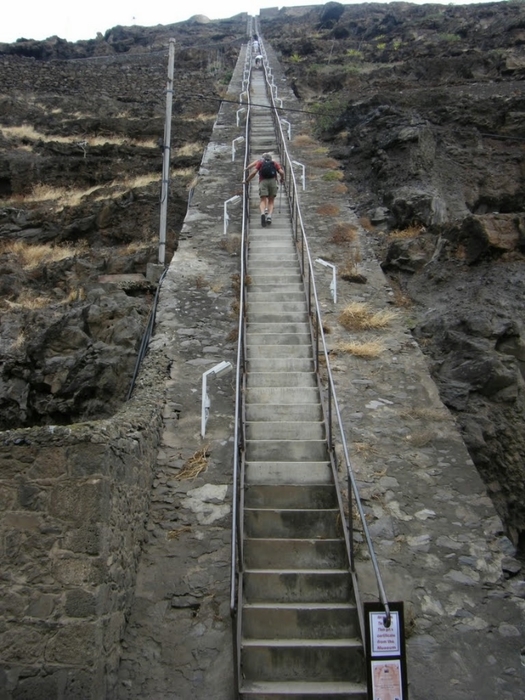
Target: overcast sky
(74,20)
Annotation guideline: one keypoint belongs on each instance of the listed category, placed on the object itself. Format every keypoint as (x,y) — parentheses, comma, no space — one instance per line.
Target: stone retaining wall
(73,503)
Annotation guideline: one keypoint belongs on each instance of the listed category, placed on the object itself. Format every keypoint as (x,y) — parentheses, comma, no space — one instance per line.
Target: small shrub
(409,232)
(303,140)
(365,350)
(322,163)
(332,176)
(358,317)
(366,223)
(343,232)
(328,209)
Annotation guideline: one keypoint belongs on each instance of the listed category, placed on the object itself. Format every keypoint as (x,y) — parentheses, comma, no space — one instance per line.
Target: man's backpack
(268,170)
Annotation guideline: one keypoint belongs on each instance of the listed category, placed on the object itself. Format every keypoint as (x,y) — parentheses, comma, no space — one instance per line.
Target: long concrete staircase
(300,632)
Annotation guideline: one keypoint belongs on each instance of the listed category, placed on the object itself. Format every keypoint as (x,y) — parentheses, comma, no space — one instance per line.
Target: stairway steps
(282,395)
(275,279)
(280,472)
(285,430)
(282,379)
(292,523)
(286,450)
(301,690)
(299,496)
(281,364)
(297,586)
(300,620)
(299,623)
(291,412)
(302,659)
(274,296)
(278,341)
(285,553)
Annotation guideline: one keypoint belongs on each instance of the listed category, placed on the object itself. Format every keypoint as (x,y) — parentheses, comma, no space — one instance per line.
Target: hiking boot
(268,220)
(263,220)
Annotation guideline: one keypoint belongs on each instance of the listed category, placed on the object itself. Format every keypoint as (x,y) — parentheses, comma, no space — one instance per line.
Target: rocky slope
(422,106)
(80,170)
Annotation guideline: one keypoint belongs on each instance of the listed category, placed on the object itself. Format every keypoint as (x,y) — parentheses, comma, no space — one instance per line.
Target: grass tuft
(359,317)
(195,465)
(364,350)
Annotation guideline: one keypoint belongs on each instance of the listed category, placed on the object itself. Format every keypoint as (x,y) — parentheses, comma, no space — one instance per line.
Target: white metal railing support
(285,121)
(303,177)
(333,283)
(238,114)
(216,371)
(238,139)
(233,200)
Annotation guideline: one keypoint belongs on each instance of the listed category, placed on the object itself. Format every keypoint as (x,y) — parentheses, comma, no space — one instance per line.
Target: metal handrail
(237,556)
(307,270)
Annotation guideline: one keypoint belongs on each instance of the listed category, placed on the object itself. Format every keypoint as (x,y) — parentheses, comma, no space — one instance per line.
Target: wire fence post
(166,152)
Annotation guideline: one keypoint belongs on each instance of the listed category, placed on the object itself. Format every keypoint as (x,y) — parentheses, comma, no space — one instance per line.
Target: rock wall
(73,503)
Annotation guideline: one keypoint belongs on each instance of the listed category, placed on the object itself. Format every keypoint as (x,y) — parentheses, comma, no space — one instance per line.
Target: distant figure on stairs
(268,170)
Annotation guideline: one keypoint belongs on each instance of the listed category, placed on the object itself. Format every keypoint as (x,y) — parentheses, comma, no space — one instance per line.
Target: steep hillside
(424,108)
(81,147)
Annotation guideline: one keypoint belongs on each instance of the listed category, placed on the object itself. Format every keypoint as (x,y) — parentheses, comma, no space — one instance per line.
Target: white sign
(385,641)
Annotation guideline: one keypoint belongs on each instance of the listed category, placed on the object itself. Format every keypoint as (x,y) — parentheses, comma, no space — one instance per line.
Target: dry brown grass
(426,414)
(340,188)
(231,244)
(28,302)
(26,132)
(195,465)
(328,209)
(233,336)
(366,224)
(364,350)
(358,317)
(409,232)
(326,163)
(364,449)
(343,232)
(175,534)
(74,295)
(303,140)
(32,256)
(421,438)
(201,282)
(189,149)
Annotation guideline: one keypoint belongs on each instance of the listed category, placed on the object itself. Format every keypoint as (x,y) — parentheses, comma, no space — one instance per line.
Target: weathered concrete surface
(440,544)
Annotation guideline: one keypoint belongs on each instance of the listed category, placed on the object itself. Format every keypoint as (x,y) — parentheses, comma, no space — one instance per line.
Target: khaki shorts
(268,187)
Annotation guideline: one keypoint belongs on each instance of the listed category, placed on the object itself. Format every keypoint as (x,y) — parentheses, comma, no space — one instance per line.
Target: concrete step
(282,395)
(255,308)
(277,341)
(302,690)
(275,553)
(275,279)
(282,364)
(285,430)
(297,586)
(292,288)
(283,523)
(286,450)
(282,379)
(261,316)
(277,472)
(269,244)
(290,496)
(300,621)
(255,328)
(277,295)
(304,659)
(284,263)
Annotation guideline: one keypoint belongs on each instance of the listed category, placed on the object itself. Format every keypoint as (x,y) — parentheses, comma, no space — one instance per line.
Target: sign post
(385,653)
